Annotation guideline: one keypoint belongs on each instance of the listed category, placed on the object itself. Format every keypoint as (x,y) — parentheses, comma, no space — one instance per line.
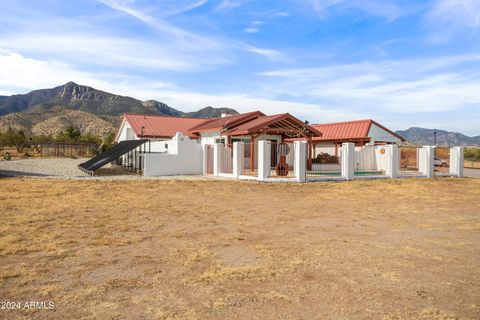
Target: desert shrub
(13,138)
(472,153)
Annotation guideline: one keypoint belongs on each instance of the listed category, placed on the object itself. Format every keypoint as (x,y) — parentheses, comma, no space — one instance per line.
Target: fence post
(348,160)
(264,159)
(456,161)
(205,159)
(393,161)
(217,158)
(300,160)
(426,164)
(238,155)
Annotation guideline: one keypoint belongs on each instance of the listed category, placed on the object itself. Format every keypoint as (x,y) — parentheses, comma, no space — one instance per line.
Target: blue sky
(404,62)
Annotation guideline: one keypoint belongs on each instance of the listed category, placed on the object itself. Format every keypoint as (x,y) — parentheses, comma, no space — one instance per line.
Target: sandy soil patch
(385,249)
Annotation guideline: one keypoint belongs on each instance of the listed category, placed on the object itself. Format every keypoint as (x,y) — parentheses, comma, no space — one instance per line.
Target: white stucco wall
(383,160)
(378,134)
(184,156)
(123,133)
(365,158)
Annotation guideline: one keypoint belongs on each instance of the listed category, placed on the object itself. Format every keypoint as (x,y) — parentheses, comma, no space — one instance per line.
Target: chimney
(225,114)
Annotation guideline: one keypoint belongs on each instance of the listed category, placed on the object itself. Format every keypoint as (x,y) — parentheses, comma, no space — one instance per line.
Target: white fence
(368,162)
(184,156)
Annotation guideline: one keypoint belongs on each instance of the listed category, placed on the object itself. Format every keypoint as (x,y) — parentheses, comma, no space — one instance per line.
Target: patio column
(300,148)
(348,160)
(217,158)
(205,159)
(238,158)
(393,161)
(426,165)
(456,161)
(264,159)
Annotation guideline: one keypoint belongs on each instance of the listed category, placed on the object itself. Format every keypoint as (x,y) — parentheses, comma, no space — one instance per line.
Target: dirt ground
(383,249)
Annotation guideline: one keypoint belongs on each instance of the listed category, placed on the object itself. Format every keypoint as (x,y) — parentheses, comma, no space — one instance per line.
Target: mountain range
(92,111)
(422,136)
(51,111)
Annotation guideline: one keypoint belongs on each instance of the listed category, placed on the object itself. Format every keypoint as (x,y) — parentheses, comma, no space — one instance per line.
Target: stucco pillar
(217,158)
(300,164)
(348,160)
(205,159)
(264,159)
(393,161)
(426,165)
(238,158)
(456,161)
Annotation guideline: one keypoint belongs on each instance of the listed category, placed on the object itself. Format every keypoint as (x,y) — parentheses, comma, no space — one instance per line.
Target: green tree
(72,133)
(15,139)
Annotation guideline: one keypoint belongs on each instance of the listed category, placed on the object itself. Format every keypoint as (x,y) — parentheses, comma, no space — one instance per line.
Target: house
(257,146)
(154,127)
(360,132)
(195,137)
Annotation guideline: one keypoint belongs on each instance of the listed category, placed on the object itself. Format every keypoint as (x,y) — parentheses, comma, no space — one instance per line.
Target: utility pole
(435,137)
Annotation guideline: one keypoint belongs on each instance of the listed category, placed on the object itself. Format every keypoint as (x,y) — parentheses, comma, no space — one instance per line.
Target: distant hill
(79,97)
(39,121)
(47,111)
(424,136)
(209,112)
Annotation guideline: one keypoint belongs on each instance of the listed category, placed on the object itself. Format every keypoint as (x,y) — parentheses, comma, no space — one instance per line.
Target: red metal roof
(156,126)
(279,122)
(349,130)
(225,122)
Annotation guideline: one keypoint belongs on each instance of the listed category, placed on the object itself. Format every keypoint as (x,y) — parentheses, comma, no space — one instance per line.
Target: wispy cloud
(21,74)
(107,51)
(269,53)
(406,86)
(449,18)
(227,5)
(382,8)
(159,24)
(186,8)
(191,39)
(253,27)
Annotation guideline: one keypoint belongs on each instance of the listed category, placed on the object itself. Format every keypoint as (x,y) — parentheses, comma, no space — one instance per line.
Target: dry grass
(397,249)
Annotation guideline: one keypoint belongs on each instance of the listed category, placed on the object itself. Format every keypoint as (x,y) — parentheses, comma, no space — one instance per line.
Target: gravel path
(66,168)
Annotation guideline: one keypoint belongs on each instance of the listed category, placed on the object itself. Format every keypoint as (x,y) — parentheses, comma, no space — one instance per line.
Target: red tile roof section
(344,130)
(226,122)
(161,126)
(263,123)
(349,130)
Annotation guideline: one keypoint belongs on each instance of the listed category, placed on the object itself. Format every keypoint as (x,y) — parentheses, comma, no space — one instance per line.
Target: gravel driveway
(66,168)
(46,167)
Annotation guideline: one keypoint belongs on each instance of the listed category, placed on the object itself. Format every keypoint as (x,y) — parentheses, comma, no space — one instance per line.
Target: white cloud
(161,25)
(382,8)
(227,5)
(20,74)
(188,39)
(269,53)
(188,7)
(114,52)
(254,27)
(405,86)
(448,18)
(314,113)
